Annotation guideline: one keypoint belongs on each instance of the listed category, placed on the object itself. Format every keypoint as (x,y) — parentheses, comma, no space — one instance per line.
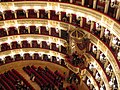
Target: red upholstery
(43,14)
(34,30)
(3,32)
(8,59)
(20,14)
(54,47)
(18,57)
(37,57)
(53,15)
(54,33)
(44,31)
(25,44)
(32,13)
(23,30)
(12,31)
(9,14)
(35,44)
(27,56)
(15,45)
(44,45)
(5,46)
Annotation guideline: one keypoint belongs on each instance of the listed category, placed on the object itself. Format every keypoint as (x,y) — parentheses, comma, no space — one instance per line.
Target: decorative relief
(20,4)
(10,22)
(6,6)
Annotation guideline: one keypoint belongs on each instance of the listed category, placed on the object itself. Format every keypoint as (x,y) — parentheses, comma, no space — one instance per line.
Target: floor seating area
(45,77)
(13,80)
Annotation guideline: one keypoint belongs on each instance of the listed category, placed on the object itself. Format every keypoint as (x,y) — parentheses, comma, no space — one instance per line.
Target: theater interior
(59,44)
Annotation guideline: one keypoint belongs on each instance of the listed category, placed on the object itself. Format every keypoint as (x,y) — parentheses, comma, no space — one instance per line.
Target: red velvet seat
(54,47)
(54,15)
(44,45)
(25,44)
(32,13)
(64,17)
(8,59)
(63,50)
(45,57)
(44,31)
(9,14)
(6,86)
(43,14)
(5,46)
(89,3)
(100,6)
(54,32)
(34,30)
(18,57)
(23,30)
(35,44)
(3,32)
(10,83)
(12,31)
(20,14)
(54,59)
(27,56)
(37,57)
(23,79)
(15,45)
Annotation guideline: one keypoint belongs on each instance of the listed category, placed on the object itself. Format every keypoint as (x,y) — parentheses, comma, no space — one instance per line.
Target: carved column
(15,14)
(48,14)
(81,22)
(71,1)
(94,4)
(106,6)
(59,33)
(7,32)
(102,32)
(118,12)
(26,12)
(83,2)
(3,15)
(94,72)
(60,16)
(111,39)
(37,14)
(98,54)
(91,26)
(70,18)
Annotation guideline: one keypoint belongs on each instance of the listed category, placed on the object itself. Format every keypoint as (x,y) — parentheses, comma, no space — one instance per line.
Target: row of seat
(35,56)
(71,87)
(45,77)
(33,44)
(42,30)
(9,80)
(87,3)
